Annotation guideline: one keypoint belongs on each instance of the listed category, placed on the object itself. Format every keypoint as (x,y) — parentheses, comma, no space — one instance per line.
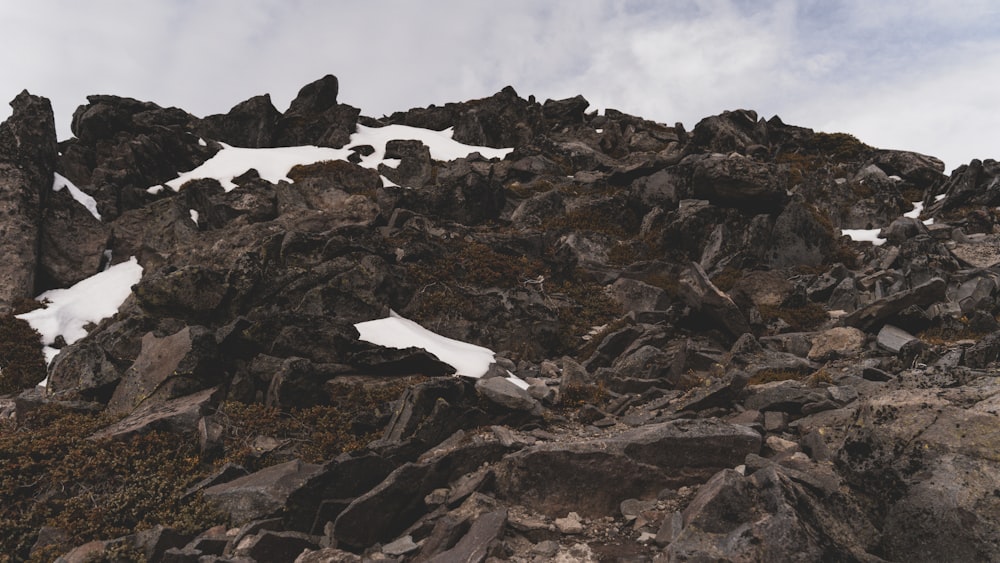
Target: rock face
(706,369)
(27,164)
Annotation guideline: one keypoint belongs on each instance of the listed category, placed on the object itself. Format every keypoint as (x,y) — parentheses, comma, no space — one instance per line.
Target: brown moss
(727,278)
(591,219)
(52,475)
(22,363)
(772,375)
(575,396)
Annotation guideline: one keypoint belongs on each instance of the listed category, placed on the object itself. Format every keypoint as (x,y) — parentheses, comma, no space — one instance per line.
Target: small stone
(780,445)
(775,421)
(670,529)
(571,524)
(402,546)
(546,548)
(436,497)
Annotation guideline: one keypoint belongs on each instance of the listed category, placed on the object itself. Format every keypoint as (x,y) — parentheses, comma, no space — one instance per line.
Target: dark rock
(637,463)
(180,415)
(72,243)
(503,392)
(801,237)
(261,494)
(565,112)
(280,547)
(876,314)
(769,517)
(251,123)
(984,352)
(920,452)
(475,544)
(383,512)
(902,229)
(635,295)
(702,296)
(168,367)
(27,165)
(729,131)
(735,181)
(315,118)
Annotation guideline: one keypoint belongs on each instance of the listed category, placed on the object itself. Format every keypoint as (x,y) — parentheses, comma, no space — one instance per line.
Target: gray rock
(384,512)
(893,338)
(930,453)
(704,298)
(475,544)
(637,463)
(27,163)
(168,367)
(176,415)
(635,295)
(876,314)
(501,391)
(838,342)
(261,494)
(279,547)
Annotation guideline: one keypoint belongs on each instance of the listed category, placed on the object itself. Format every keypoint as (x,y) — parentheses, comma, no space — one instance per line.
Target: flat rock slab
(177,415)
(893,338)
(593,476)
(877,313)
(261,494)
(980,254)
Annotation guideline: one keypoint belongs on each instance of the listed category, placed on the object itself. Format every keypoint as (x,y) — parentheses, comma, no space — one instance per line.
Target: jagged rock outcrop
(705,367)
(28,156)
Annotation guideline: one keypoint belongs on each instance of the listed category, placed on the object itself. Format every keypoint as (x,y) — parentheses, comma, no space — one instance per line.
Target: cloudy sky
(920,75)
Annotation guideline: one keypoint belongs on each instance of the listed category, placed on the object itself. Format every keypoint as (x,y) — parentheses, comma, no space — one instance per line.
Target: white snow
(194,215)
(869,235)
(395,331)
(89,301)
(939,197)
(59,182)
(273,164)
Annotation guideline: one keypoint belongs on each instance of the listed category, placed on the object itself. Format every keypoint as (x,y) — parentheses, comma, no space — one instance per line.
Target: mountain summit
(490,330)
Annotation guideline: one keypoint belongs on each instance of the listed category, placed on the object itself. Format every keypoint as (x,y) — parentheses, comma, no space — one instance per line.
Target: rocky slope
(715,372)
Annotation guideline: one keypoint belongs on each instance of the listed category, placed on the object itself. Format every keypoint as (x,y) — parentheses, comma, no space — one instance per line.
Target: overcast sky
(920,75)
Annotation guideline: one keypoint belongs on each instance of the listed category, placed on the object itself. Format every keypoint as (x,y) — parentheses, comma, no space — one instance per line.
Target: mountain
(490,330)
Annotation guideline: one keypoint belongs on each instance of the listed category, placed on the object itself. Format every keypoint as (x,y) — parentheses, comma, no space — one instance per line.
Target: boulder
(877,313)
(637,463)
(250,124)
(397,502)
(27,167)
(928,457)
(316,118)
(705,299)
(837,342)
(736,181)
(179,415)
(168,367)
(262,494)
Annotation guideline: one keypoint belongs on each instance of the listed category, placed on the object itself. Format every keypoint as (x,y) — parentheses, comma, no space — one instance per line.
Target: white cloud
(911,73)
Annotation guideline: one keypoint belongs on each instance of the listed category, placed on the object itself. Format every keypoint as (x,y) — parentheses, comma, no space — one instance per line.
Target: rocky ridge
(715,372)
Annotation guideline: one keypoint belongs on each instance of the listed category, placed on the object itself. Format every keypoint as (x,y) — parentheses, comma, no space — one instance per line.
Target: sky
(916,75)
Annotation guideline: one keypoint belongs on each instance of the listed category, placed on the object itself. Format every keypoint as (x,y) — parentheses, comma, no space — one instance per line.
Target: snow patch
(59,182)
(395,331)
(274,164)
(89,301)
(865,235)
(194,215)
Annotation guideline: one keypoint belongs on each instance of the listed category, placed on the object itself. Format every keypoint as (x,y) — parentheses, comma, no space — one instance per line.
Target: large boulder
(251,123)
(316,118)
(27,165)
(592,476)
(927,457)
(737,181)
